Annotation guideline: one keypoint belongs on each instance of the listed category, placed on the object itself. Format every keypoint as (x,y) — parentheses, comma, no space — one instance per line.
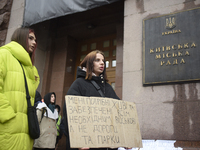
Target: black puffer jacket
(82,87)
(38,98)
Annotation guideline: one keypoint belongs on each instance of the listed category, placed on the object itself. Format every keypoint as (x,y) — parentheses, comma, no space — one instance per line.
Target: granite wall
(166,112)
(5,10)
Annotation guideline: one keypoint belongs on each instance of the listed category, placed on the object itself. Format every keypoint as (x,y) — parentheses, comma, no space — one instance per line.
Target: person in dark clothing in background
(91,68)
(48,131)
(38,98)
(58,122)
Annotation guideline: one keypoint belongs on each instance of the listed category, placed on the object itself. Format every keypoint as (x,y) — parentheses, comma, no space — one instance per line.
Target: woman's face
(98,64)
(52,98)
(31,42)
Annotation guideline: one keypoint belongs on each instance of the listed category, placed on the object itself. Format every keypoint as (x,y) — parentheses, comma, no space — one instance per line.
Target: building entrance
(107,44)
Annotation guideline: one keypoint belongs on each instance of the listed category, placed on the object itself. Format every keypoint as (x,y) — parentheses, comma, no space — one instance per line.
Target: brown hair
(20,36)
(88,63)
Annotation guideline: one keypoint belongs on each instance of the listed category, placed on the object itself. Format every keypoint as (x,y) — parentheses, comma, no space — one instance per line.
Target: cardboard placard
(102,122)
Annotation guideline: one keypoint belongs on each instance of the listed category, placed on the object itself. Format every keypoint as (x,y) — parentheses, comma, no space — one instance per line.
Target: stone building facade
(165,112)
(5,9)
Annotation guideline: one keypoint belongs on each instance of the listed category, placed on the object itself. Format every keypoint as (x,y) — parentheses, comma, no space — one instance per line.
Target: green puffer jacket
(14,134)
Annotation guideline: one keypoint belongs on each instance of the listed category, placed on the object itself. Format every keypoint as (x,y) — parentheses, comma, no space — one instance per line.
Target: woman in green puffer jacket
(14,134)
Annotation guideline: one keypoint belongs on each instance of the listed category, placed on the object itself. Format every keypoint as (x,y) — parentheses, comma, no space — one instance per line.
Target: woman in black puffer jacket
(91,68)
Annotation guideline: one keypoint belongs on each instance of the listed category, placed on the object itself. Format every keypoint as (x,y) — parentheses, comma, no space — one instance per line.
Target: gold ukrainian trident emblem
(170,22)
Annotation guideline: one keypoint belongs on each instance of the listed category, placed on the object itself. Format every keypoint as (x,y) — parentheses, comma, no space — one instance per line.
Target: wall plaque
(171,48)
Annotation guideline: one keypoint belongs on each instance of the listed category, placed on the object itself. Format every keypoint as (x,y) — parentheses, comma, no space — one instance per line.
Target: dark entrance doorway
(107,44)
(62,40)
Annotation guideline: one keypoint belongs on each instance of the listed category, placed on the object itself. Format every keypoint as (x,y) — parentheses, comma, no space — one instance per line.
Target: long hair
(21,36)
(88,62)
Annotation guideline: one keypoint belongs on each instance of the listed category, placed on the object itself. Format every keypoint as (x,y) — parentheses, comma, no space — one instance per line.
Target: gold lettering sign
(170,47)
(170,54)
(173,47)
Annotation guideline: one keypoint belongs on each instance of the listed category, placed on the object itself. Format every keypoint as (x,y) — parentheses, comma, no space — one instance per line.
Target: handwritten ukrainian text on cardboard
(102,122)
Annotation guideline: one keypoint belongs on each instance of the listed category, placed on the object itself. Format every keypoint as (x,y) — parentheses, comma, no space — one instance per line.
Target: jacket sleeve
(75,88)
(62,128)
(41,109)
(110,93)
(6,111)
(39,115)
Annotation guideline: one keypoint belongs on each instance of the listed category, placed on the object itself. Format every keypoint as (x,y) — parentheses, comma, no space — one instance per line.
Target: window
(106,43)
(84,48)
(93,46)
(114,42)
(114,53)
(106,53)
(107,64)
(113,63)
(82,57)
(113,85)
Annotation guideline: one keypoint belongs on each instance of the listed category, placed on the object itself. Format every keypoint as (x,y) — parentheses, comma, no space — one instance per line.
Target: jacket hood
(82,74)
(19,53)
(47,98)
(38,97)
